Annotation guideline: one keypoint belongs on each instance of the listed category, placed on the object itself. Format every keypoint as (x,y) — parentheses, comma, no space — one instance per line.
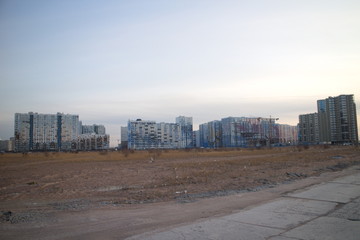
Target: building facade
(211,134)
(40,132)
(142,134)
(340,114)
(336,122)
(246,132)
(123,138)
(51,132)
(309,128)
(92,141)
(323,123)
(169,135)
(93,129)
(288,135)
(203,135)
(23,134)
(7,145)
(186,131)
(249,132)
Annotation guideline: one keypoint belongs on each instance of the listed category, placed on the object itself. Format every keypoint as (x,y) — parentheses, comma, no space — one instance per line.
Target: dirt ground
(35,187)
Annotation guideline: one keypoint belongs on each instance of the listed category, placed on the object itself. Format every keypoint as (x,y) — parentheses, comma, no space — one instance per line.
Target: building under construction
(246,132)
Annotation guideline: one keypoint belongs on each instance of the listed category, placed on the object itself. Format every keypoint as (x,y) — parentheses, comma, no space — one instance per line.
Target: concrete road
(330,210)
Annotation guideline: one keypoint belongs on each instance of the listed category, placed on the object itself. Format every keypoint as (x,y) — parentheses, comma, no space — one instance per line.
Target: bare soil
(39,188)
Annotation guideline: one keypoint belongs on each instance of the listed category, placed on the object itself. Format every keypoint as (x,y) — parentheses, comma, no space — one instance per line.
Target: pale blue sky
(109,61)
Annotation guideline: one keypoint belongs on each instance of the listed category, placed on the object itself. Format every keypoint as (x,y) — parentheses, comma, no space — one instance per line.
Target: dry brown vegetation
(152,176)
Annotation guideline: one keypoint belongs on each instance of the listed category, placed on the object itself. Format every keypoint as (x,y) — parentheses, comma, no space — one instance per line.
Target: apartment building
(23,134)
(93,137)
(123,138)
(95,129)
(211,134)
(196,138)
(203,135)
(92,141)
(55,132)
(186,131)
(35,132)
(143,134)
(249,132)
(7,145)
(309,128)
(335,122)
(246,132)
(340,117)
(169,135)
(288,135)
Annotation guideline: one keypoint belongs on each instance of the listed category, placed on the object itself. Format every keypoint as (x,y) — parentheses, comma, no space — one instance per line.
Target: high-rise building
(124,138)
(142,134)
(288,135)
(340,113)
(7,145)
(323,122)
(92,141)
(196,138)
(186,128)
(229,131)
(211,134)
(93,137)
(96,129)
(168,135)
(23,134)
(246,132)
(60,132)
(203,135)
(34,131)
(309,128)
(249,132)
(149,134)
(336,121)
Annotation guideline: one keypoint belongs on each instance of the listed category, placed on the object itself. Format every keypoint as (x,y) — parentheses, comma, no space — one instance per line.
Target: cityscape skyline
(334,123)
(111,61)
(114,142)
(65,132)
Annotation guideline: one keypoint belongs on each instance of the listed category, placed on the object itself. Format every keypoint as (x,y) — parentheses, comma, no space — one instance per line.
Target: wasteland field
(114,195)
(53,181)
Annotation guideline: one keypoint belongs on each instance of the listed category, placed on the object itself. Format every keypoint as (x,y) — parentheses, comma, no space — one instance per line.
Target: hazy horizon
(111,61)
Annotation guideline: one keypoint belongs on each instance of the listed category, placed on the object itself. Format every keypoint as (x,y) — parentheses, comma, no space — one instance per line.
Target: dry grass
(155,154)
(141,176)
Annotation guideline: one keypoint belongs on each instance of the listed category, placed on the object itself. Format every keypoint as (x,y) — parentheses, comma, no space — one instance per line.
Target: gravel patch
(24,217)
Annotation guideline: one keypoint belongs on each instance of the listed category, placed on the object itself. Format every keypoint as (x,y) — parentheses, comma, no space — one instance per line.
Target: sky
(111,61)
